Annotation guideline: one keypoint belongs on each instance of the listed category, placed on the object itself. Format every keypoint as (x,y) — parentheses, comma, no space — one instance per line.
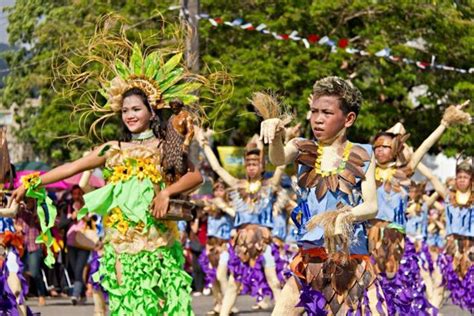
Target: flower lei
(384,174)
(253,187)
(31,180)
(342,164)
(115,218)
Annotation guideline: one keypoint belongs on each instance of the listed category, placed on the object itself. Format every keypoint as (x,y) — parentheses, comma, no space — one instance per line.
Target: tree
(260,62)
(49,34)
(44,30)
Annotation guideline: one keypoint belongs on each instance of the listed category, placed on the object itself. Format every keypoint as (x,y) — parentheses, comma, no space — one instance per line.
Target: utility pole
(190,11)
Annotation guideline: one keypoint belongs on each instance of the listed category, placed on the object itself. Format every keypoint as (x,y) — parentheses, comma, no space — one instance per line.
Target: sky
(3,20)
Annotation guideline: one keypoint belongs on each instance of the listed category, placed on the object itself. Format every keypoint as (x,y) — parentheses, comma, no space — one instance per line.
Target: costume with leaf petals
(333,280)
(142,265)
(458,260)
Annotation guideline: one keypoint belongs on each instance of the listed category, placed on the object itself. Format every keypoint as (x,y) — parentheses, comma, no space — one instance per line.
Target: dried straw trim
(327,221)
(268,107)
(454,115)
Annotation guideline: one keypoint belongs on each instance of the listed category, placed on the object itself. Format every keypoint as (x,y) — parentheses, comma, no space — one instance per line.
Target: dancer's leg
(270,273)
(374,300)
(14,282)
(222,268)
(230,296)
(99,303)
(437,296)
(291,295)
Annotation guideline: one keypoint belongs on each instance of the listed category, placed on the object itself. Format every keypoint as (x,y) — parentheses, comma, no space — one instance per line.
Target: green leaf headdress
(161,81)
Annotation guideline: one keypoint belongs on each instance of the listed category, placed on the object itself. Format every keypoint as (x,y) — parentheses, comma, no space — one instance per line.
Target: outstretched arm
(91,161)
(224,206)
(452,115)
(437,185)
(272,133)
(277,175)
(426,145)
(211,157)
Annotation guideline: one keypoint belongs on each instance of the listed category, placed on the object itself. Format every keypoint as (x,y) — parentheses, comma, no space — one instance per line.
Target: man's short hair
(350,98)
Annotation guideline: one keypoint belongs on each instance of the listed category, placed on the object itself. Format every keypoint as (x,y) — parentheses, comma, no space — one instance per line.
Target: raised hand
(454,114)
(269,129)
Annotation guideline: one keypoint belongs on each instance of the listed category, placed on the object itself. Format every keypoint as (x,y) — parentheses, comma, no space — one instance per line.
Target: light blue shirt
(259,213)
(6,224)
(279,226)
(392,206)
(219,226)
(417,225)
(310,206)
(460,220)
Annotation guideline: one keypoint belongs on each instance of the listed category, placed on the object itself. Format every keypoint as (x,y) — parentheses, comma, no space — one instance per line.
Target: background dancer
(216,256)
(387,232)
(252,264)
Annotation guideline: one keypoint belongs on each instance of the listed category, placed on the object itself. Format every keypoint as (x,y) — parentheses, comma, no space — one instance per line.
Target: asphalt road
(202,304)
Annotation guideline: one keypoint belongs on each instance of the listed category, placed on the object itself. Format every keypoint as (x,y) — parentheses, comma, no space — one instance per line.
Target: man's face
(463,181)
(253,167)
(383,149)
(327,119)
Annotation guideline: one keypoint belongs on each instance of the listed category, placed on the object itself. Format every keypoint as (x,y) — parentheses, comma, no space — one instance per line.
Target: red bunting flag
(343,43)
(219,20)
(313,38)
(285,36)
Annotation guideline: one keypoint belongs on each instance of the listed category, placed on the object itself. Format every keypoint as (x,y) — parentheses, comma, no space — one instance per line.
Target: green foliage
(44,30)
(50,36)
(259,62)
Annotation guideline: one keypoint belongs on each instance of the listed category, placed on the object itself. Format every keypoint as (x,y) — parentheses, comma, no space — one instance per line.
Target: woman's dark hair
(155,123)
(77,187)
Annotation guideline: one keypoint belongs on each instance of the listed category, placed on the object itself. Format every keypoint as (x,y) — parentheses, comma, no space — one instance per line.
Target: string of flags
(314,39)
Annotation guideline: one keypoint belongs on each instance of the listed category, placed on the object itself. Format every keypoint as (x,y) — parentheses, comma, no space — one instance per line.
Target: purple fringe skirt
(406,292)
(94,267)
(461,290)
(209,271)
(253,279)
(8,305)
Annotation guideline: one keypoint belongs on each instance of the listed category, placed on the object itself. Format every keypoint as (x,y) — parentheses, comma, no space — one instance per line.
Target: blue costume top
(459,218)
(279,226)
(6,224)
(349,193)
(417,224)
(257,212)
(219,226)
(392,206)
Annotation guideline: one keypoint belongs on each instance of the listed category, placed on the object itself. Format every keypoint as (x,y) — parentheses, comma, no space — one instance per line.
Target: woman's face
(463,181)
(135,114)
(219,191)
(413,193)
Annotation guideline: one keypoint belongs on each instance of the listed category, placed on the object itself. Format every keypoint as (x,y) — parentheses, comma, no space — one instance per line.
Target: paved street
(62,307)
